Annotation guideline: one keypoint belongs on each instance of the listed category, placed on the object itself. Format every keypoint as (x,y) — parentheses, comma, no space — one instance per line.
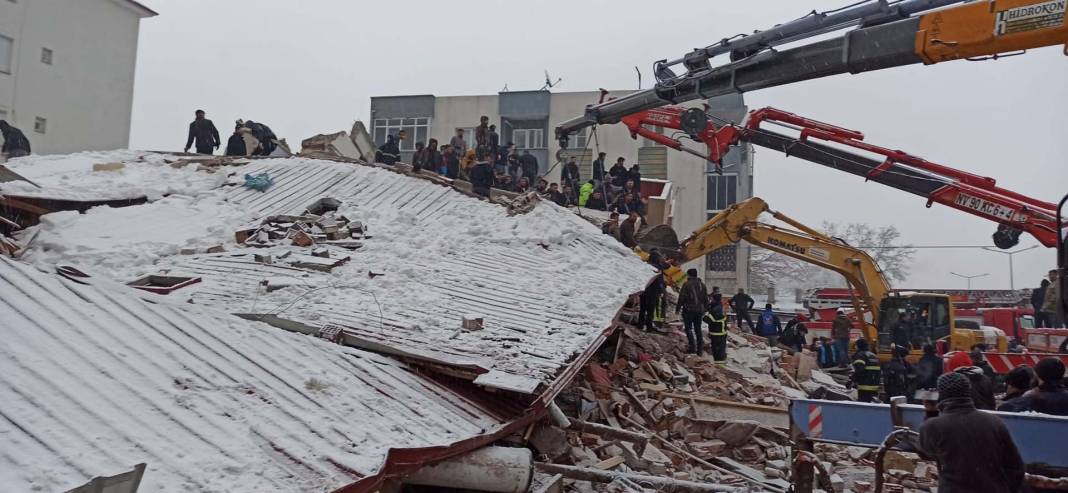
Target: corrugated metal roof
(523,289)
(94,379)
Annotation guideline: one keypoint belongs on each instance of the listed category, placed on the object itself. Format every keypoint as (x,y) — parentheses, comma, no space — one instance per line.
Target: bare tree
(769,268)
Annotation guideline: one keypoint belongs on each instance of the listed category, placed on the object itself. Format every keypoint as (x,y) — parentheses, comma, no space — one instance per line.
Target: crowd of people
(249,138)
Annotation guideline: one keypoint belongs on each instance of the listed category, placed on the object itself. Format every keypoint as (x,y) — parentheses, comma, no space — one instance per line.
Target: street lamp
(1012,284)
(969,278)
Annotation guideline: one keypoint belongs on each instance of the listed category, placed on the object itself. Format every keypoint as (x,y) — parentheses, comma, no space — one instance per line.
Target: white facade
(438,117)
(67,71)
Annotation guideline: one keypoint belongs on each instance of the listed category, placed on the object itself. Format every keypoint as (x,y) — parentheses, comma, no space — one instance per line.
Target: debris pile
(644,413)
(308,230)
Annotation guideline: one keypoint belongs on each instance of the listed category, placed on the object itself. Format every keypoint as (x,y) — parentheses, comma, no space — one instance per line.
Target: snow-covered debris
(94,379)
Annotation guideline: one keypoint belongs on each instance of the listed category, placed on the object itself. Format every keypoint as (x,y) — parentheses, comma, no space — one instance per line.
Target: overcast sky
(311,67)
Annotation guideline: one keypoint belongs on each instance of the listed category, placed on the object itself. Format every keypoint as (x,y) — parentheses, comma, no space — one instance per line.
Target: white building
(528,118)
(67,71)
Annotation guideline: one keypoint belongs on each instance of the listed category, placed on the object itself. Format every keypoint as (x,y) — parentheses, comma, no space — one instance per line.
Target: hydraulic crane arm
(740,222)
(830,145)
(884,35)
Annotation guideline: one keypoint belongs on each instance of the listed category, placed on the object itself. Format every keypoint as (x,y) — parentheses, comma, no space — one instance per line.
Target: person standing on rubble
(973,449)
(795,333)
(388,153)
(769,325)
(649,302)
(840,328)
(628,230)
(866,372)
(205,134)
(459,145)
(741,303)
(482,132)
(481,178)
(15,142)
(717,334)
(452,163)
(827,354)
(693,299)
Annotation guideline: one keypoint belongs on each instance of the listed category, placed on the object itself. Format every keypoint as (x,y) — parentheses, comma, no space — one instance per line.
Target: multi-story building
(67,71)
(527,119)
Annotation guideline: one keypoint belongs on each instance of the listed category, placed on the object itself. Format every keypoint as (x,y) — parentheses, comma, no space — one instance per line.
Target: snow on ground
(71,176)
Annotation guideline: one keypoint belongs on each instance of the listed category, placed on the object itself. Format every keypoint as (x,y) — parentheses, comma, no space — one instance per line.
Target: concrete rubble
(697,424)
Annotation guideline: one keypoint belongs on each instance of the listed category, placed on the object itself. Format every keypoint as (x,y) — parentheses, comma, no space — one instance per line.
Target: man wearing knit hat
(973,448)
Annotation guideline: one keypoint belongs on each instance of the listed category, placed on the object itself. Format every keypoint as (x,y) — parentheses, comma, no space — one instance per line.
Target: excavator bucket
(661,238)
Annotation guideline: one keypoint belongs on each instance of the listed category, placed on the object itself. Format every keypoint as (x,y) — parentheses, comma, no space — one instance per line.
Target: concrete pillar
(497,469)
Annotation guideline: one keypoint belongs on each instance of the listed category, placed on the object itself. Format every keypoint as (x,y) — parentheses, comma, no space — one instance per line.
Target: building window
(40,125)
(6,52)
(579,140)
(46,56)
(722,191)
(530,138)
(418,130)
(723,259)
(652,143)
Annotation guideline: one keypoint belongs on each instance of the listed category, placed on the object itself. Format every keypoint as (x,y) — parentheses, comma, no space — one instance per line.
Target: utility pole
(969,278)
(1012,280)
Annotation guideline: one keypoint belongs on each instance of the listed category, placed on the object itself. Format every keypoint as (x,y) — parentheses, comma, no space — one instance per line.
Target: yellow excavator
(877,308)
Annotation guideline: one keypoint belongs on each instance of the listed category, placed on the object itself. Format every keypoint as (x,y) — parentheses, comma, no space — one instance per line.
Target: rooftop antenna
(505,89)
(549,84)
(639,77)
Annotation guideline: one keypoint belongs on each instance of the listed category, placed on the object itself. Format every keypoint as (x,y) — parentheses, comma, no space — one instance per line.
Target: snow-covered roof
(547,282)
(95,379)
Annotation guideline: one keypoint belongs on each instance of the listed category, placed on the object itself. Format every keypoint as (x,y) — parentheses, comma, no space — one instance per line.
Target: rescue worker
(693,298)
(205,134)
(866,372)
(973,449)
(650,298)
(1017,382)
(388,153)
(235,145)
(840,328)
(897,374)
(715,299)
(741,303)
(717,334)
(1050,397)
(15,142)
(266,137)
(769,325)
(795,332)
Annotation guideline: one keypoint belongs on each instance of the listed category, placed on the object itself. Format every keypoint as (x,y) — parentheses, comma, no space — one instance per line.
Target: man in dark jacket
(596,201)
(569,176)
(979,361)
(928,368)
(1050,397)
(741,303)
(266,136)
(388,153)
(650,298)
(1017,382)
(981,385)
(635,175)
(235,145)
(628,230)
(618,173)
(205,134)
(15,142)
(598,170)
(481,178)
(1038,297)
(452,163)
(528,164)
(973,449)
(897,374)
(693,299)
(840,328)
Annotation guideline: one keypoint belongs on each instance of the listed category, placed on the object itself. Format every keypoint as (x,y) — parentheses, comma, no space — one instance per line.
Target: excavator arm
(878,35)
(740,222)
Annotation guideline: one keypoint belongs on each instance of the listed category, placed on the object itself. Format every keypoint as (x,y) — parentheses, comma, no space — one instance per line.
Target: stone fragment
(736,433)
(707,449)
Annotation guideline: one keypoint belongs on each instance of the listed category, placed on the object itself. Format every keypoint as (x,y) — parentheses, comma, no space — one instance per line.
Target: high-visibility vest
(716,327)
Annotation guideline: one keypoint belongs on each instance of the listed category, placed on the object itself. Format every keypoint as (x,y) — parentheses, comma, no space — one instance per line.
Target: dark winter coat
(627,232)
(235,145)
(1038,296)
(973,449)
(693,297)
(598,169)
(928,369)
(570,173)
(840,327)
(529,165)
(742,302)
(596,203)
(266,136)
(452,166)
(1047,399)
(15,142)
(619,174)
(982,390)
(389,153)
(205,134)
(482,178)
